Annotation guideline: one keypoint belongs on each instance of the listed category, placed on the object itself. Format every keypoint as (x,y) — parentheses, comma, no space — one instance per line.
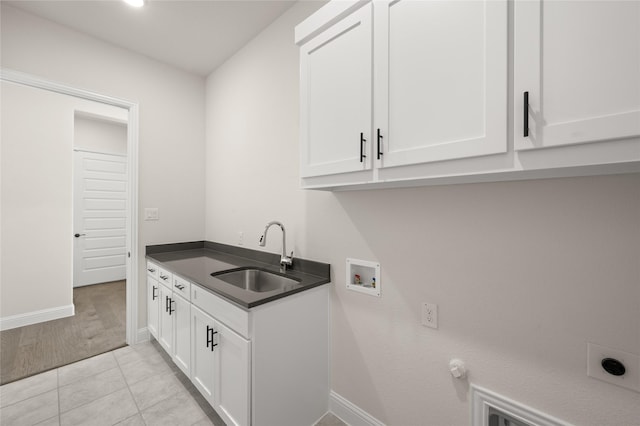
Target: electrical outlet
(430,315)
(240,238)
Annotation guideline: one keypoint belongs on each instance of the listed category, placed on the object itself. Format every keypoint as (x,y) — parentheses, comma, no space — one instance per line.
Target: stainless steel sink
(257,279)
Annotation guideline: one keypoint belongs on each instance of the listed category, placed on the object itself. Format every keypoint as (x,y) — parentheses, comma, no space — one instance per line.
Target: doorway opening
(100,182)
(27,325)
(99,200)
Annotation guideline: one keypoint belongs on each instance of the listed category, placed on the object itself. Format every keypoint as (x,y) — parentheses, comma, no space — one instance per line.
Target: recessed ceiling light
(134,3)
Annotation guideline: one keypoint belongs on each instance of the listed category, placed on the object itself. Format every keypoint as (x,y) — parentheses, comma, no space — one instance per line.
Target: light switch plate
(151,214)
(630,379)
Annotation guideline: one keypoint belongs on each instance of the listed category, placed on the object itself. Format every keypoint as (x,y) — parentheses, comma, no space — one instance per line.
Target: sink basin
(258,280)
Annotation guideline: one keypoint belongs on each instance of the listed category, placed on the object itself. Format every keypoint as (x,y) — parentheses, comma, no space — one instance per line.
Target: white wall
(524,273)
(98,135)
(171,144)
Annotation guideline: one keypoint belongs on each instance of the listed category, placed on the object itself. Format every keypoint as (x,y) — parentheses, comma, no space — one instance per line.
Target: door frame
(132,333)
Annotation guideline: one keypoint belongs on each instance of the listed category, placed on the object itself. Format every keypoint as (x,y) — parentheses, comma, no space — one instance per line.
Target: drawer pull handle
(362,141)
(179,286)
(164,277)
(526,114)
(151,270)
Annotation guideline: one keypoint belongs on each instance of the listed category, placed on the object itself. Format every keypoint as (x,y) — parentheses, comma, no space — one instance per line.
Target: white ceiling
(196,36)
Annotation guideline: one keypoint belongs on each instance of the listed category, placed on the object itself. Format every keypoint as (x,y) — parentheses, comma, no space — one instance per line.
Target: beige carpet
(98,326)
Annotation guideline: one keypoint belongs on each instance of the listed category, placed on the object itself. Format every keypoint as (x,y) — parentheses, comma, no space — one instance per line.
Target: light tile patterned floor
(131,386)
(134,385)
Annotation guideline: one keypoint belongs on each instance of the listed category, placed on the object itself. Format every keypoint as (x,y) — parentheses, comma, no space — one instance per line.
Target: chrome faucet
(284,259)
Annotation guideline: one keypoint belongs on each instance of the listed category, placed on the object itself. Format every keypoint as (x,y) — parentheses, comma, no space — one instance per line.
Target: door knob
(79,235)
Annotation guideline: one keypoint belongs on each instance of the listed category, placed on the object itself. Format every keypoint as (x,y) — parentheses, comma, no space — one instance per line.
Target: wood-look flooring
(98,326)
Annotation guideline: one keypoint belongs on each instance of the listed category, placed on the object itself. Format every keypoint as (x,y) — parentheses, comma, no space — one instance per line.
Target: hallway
(98,326)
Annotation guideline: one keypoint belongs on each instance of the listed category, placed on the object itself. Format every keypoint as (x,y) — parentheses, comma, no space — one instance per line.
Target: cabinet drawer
(182,287)
(221,310)
(152,270)
(165,277)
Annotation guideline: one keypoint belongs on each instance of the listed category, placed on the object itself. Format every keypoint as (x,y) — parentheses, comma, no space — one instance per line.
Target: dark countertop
(195,261)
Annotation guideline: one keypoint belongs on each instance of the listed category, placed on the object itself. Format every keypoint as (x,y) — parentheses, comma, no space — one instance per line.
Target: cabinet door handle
(379,144)
(210,334)
(526,114)
(362,141)
(154,296)
(166,303)
(171,308)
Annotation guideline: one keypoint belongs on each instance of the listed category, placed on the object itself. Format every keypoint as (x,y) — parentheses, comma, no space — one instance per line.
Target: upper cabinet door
(579,61)
(440,80)
(335,90)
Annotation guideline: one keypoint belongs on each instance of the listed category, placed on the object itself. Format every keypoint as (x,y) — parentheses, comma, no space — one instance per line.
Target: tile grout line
(129,389)
(58,391)
(32,396)
(93,374)
(88,402)
(175,373)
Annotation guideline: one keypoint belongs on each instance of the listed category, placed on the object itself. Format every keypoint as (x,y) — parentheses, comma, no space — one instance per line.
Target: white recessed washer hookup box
(363,276)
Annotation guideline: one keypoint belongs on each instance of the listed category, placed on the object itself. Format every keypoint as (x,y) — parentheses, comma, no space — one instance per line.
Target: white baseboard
(142,335)
(35,317)
(350,413)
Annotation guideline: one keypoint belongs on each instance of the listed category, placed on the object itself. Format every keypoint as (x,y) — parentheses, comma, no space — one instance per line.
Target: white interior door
(100,198)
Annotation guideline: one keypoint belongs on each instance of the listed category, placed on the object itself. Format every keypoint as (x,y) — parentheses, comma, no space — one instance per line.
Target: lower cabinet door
(165,326)
(182,333)
(153,301)
(232,372)
(202,353)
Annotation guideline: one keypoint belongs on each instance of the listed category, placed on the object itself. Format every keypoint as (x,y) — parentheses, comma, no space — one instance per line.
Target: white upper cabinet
(440,80)
(427,84)
(579,61)
(335,89)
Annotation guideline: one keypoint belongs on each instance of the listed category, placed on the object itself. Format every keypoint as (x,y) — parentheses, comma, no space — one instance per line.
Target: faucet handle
(286,261)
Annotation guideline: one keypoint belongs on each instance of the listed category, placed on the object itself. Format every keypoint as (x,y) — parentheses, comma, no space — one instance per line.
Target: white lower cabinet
(268,365)
(232,369)
(165,323)
(153,303)
(221,367)
(182,333)
(169,316)
(202,353)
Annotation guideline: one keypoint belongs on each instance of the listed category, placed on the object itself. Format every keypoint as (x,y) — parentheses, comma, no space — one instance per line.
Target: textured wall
(518,269)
